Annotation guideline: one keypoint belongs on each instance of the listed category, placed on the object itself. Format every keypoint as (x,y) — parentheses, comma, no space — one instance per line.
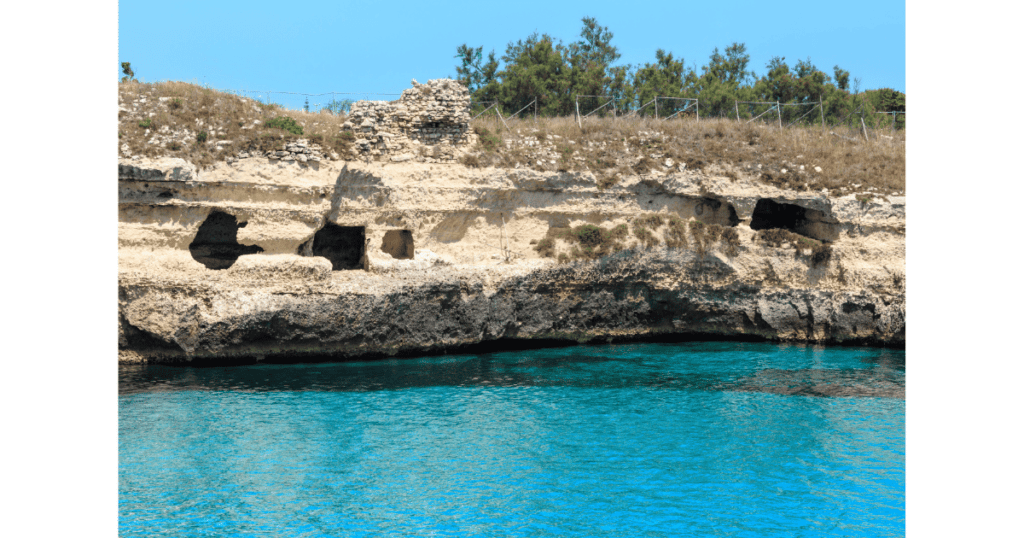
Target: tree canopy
(542,67)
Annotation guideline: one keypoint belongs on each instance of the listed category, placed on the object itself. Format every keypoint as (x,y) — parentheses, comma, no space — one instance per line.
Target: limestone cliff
(262,258)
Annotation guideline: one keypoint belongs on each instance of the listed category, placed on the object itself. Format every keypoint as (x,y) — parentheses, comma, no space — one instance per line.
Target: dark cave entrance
(398,243)
(770,214)
(343,245)
(216,243)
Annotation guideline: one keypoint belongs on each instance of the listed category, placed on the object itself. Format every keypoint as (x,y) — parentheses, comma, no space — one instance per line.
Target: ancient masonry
(299,150)
(428,123)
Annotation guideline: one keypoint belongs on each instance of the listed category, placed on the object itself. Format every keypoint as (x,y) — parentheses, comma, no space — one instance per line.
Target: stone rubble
(428,123)
(300,151)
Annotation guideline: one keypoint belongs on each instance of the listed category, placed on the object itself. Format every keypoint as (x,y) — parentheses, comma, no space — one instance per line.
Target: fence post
(534,110)
(579,121)
(498,110)
(655,107)
(698,110)
(821,108)
(865,127)
(779,110)
(737,103)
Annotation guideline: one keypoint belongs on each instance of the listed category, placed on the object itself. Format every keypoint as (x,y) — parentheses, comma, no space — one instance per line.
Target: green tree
(666,77)
(722,80)
(886,100)
(620,87)
(777,84)
(842,78)
(478,76)
(535,68)
(589,60)
(731,68)
(126,69)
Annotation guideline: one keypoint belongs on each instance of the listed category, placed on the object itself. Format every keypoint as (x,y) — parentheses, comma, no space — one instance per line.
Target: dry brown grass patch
(603,146)
(763,152)
(188,109)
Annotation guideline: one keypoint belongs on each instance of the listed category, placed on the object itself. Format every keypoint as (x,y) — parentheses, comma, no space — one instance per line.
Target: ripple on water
(656,439)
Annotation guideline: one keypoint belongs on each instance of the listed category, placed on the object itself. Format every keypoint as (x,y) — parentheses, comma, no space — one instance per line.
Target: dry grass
(204,126)
(612,147)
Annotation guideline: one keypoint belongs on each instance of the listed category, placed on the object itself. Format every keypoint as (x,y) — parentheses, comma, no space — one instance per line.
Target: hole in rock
(342,245)
(769,214)
(216,244)
(398,243)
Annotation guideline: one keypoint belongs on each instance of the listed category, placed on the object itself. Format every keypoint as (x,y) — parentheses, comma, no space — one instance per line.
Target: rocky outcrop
(373,259)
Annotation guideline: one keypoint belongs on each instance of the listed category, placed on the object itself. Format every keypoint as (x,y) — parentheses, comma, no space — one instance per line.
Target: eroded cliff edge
(262,258)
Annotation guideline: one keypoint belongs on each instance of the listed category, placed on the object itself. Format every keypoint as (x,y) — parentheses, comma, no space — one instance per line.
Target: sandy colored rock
(475,274)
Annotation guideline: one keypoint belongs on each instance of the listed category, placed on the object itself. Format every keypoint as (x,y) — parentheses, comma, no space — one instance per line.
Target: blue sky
(316,47)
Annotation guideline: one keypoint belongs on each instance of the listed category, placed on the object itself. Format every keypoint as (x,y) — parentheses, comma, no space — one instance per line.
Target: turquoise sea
(683,439)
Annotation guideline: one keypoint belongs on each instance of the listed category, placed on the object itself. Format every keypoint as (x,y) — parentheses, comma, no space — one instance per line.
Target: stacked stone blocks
(429,122)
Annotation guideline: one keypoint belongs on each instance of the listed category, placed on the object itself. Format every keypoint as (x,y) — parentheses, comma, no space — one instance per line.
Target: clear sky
(315,47)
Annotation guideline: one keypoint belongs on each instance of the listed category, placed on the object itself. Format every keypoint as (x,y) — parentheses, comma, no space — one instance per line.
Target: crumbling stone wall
(429,123)
(300,151)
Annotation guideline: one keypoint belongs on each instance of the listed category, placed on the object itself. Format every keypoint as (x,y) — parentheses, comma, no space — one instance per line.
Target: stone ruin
(428,123)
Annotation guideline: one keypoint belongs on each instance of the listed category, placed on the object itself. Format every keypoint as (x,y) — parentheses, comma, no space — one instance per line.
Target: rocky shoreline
(468,272)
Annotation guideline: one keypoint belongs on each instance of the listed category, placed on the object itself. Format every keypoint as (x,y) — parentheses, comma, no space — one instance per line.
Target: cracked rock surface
(471,272)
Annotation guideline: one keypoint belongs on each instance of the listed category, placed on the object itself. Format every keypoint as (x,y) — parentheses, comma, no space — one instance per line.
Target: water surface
(695,439)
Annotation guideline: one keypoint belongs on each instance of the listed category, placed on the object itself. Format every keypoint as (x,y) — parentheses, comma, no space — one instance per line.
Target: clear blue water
(693,439)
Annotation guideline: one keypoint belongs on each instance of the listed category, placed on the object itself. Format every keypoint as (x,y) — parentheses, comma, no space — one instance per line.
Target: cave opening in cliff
(398,243)
(769,214)
(344,246)
(216,243)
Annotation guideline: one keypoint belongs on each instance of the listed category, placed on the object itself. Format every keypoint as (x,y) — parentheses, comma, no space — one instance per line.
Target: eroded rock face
(627,296)
(446,257)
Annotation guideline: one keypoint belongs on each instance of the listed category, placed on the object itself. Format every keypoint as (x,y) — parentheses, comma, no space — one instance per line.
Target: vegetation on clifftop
(554,73)
(204,126)
(798,158)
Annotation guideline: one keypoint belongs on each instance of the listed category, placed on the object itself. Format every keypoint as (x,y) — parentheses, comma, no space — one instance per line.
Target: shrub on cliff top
(188,108)
(284,123)
(488,141)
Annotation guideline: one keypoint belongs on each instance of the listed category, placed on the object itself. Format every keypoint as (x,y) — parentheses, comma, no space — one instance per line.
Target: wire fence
(771,113)
(588,107)
(335,102)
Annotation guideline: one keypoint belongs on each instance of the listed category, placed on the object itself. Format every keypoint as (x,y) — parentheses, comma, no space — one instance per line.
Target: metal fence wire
(586,107)
(601,106)
(335,102)
(676,107)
